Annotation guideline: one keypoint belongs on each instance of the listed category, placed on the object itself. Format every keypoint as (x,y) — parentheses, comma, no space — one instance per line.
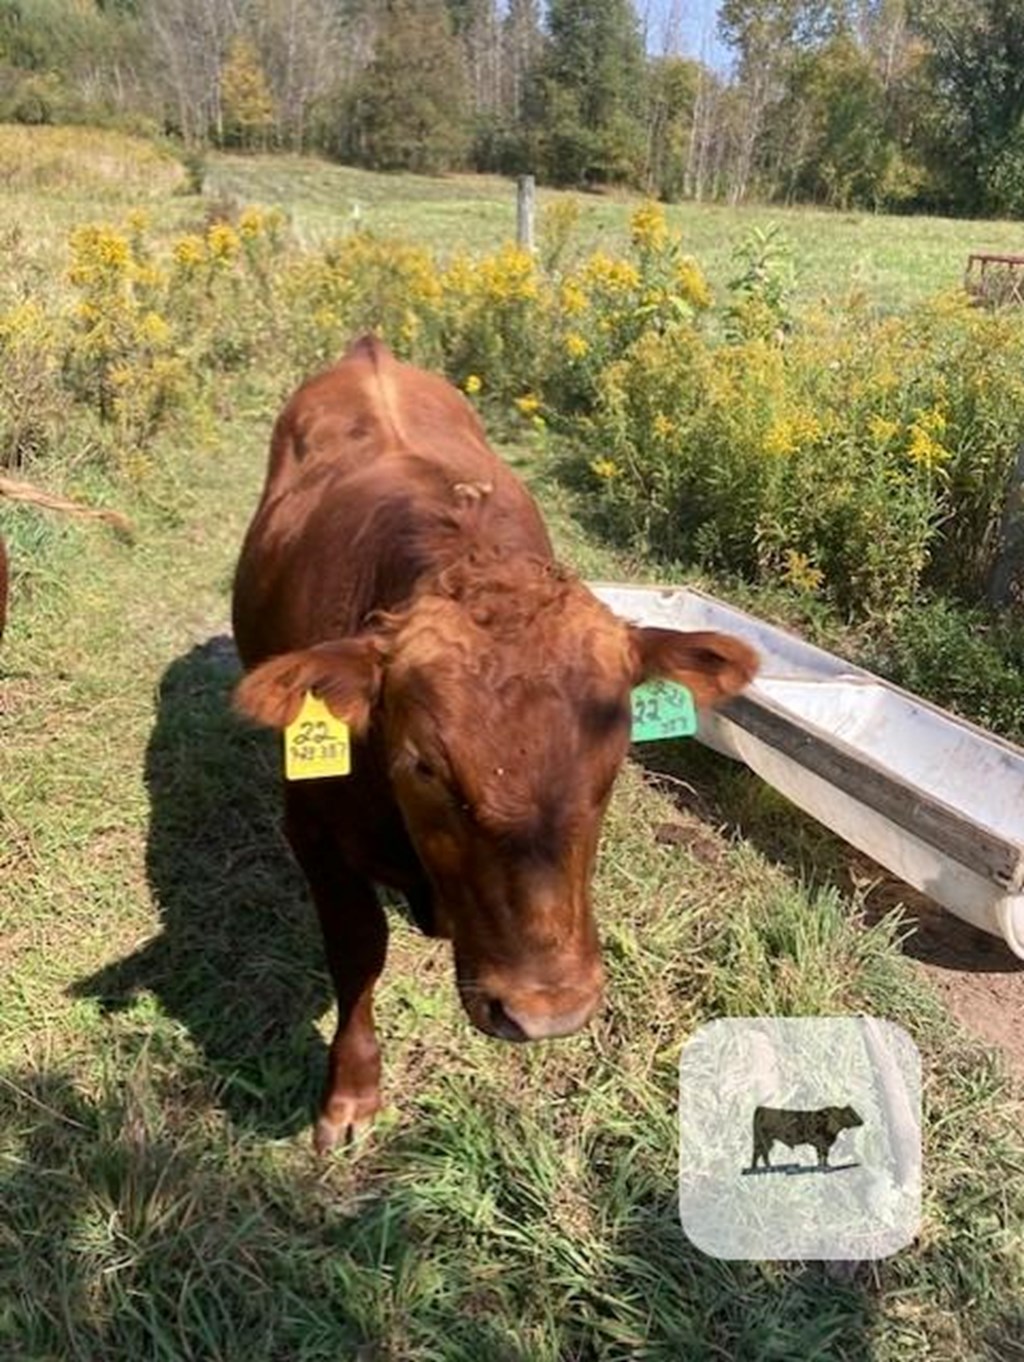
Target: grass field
(164,1008)
(893,260)
(51,182)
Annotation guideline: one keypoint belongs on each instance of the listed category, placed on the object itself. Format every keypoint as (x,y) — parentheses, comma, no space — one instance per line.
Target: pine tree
(589,94)
(410,107)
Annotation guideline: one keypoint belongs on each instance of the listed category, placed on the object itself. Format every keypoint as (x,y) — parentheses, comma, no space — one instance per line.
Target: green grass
(893,260)
(164,1008)
(57,178)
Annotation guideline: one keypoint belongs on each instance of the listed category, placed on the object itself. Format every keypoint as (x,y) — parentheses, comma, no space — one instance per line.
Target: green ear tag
(663,709)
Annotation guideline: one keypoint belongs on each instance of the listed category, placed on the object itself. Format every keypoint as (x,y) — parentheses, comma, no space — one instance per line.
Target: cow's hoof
(346,1119)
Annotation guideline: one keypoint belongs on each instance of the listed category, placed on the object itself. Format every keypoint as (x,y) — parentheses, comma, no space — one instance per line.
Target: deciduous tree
(248,106)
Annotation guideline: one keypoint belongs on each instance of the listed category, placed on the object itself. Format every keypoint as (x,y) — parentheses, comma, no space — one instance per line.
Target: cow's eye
(423,769)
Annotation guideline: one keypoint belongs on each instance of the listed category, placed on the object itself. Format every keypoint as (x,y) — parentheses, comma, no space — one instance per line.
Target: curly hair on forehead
(501,616)
(501,594)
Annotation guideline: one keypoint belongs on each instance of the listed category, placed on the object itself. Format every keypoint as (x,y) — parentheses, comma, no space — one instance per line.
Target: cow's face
(504,722)
(846,1118)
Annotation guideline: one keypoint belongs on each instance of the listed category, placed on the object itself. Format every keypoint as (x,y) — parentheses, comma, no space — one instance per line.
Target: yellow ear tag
(316,743)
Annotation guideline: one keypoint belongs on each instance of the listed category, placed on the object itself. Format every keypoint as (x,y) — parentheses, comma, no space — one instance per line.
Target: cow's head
(501,701)
(844,1118)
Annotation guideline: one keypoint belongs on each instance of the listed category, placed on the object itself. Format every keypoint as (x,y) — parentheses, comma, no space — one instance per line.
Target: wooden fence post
(525,212)
(1006,583)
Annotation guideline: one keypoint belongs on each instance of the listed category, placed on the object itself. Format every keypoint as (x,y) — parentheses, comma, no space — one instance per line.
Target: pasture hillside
(163,999)
(892,261)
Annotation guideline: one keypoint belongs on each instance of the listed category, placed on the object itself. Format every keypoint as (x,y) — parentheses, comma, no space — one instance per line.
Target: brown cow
(396,568)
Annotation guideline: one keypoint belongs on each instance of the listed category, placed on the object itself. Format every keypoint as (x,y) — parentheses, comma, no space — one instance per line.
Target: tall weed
(851,456)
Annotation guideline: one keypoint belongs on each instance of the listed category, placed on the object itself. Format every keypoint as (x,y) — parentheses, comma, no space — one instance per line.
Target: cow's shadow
(796,1169)
(239,960)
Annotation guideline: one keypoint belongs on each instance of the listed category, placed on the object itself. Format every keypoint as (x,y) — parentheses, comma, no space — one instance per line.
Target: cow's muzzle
(519,1005)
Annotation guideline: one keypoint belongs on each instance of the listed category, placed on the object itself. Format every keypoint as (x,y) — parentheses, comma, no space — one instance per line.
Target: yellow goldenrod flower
(648,227)
(806,428)
(510,275)
(691,283)
(473,384)
(101,247)
(800,572)
(223,242)
(576,345)
(610,275)
(155,330)
(23,318)
(663,427)
(779,438)
(149,276)
(250,223)
(189,251)
(574,299)
(122,375)
(925,450)
(460,276)
(528,405)
(605,468)
(881,429)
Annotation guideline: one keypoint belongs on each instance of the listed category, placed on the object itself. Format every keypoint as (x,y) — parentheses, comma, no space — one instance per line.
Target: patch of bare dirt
(690,832)
(978,977)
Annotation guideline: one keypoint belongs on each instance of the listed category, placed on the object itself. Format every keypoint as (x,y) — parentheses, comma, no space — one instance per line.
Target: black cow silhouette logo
(820,1128)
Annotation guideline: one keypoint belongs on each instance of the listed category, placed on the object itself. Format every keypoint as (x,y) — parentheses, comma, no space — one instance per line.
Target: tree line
(881,104)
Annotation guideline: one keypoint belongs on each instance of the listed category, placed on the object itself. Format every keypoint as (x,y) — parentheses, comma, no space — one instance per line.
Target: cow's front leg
(355,936)
(423,907)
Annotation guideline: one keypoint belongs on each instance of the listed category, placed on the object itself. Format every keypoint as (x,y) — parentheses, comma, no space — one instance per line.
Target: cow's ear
(346,675)
(713,666)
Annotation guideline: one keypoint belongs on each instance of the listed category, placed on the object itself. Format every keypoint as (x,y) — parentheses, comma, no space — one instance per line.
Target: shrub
(858,456)
(33,401)
(760,293)
(852,457)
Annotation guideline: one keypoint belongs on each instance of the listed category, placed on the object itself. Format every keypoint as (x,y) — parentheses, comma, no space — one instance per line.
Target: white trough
(934,799)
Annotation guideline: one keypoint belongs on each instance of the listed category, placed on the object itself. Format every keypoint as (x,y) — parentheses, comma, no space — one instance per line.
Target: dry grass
(86,161)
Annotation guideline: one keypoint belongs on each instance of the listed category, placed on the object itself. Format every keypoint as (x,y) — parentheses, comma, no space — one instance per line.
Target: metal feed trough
(936,800)
(995,279)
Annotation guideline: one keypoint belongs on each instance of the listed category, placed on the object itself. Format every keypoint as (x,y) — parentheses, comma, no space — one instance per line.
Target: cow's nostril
(501,1024)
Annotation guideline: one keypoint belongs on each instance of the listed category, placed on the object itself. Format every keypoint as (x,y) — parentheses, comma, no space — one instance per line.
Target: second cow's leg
(355,936)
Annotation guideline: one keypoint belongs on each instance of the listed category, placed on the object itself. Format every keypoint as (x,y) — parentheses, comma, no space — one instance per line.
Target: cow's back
(367,406)
(366,462)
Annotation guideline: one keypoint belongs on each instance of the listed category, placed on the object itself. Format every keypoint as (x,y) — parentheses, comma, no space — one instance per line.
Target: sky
(698,36)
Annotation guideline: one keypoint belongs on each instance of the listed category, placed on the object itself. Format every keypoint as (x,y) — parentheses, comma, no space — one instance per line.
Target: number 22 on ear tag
(662,709)
(316,743)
